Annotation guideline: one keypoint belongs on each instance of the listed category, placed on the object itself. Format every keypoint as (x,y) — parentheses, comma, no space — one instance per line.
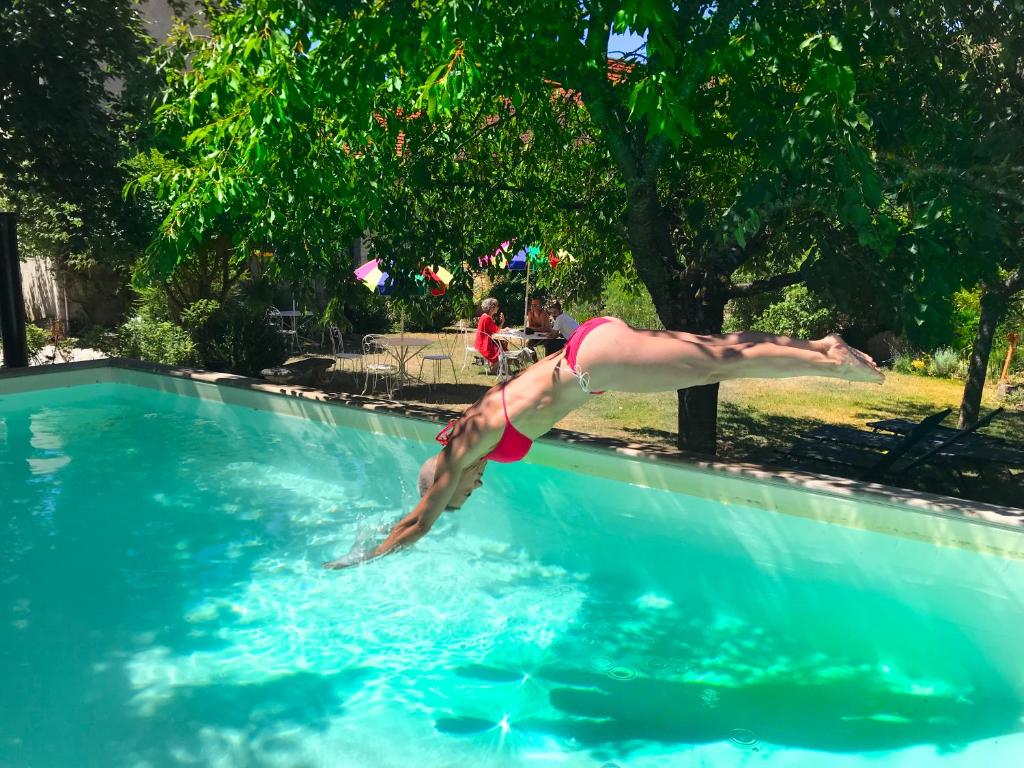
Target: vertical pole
(12,302)
(1013,339)
(526,301)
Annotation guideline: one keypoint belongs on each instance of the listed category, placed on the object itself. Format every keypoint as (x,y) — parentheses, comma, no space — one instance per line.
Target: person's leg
(554,345)
(750,337)
(620,358)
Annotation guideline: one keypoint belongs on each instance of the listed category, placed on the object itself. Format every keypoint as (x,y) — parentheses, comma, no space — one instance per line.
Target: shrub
(944,363)
(237,338)
(35,339)
(158,341)
(432,313)
(629,301)
(904,362)
(366,314)
(799,313)
(100,338)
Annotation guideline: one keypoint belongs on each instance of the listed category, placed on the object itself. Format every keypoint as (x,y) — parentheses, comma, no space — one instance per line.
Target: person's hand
(501,318)
(344,562)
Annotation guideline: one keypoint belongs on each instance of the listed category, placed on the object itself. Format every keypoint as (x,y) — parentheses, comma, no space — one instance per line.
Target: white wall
(44,297)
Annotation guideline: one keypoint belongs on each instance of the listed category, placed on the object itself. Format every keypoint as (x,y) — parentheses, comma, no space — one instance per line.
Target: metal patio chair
(447,343)
(378,365)
(341,357)
(470,352)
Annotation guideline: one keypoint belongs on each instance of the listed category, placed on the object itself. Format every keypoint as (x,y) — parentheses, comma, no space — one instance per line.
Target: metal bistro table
(520,337)
(298,318)
(405,349)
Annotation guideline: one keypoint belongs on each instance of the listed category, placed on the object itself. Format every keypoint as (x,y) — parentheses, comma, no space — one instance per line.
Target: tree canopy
(73,82)
(743,147)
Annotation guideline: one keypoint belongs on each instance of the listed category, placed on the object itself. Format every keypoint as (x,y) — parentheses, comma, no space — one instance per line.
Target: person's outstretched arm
(451,463)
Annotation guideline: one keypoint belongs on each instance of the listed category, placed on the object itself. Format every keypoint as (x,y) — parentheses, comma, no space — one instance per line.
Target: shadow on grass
(757,437)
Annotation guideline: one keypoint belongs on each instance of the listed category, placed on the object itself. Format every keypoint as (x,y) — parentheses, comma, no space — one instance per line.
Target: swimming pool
(164,603)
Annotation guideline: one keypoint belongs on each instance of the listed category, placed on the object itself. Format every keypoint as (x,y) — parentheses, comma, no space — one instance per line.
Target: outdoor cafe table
(521,337)
(297,317)
(404,349)
(294,314)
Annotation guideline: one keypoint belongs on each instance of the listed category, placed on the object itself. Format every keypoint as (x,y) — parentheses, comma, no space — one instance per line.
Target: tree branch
(773,283)
(597,92)
(958,175)
(1015,282)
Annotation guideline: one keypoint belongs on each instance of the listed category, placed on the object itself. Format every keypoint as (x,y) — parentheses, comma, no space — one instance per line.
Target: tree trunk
(698,406)
(995,298)
(689,301)
(993,307)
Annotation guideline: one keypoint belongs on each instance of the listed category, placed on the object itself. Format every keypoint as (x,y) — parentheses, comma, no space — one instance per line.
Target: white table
(294,314)
(405,349)
(523,338)
(293,333)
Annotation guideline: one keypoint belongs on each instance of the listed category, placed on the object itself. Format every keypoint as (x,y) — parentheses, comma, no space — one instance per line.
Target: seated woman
(485,328)
(603,354)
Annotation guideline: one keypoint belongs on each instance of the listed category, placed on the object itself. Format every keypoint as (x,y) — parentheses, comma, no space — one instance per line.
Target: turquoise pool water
(161,604)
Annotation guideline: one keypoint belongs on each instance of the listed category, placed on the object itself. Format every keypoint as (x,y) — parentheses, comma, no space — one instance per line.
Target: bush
(629,301)
(35,339)
(367,314)
(157,341)
(100,338)
(945,363)
(237,338)
(908,362)
(800,313)
(432,313)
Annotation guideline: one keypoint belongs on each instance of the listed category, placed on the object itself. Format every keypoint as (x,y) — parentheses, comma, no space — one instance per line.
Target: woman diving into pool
(603,354)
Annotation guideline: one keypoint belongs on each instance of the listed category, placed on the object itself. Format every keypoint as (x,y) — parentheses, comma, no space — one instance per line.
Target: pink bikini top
(512,446)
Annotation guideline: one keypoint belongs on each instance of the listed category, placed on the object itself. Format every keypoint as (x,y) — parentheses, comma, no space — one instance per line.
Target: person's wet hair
(426,478)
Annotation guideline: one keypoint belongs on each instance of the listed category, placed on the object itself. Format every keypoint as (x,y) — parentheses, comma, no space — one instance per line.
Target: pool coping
(990,514)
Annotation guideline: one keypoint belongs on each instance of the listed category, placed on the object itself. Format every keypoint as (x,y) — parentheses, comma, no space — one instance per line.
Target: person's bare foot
(854,365)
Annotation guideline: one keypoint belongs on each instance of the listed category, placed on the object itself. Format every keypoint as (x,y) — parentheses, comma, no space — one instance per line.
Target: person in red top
(485,328)
(604,353)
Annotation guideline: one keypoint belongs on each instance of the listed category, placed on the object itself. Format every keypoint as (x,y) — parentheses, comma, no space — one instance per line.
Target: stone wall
(97,296)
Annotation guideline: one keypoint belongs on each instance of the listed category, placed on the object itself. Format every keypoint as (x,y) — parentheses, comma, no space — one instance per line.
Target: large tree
(73,81)
(732,124)
(950,138)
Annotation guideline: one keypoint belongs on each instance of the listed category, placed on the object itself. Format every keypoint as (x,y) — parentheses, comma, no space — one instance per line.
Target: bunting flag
(518,263)
(439,275)
(366,269)
(499,258)
(374,278)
